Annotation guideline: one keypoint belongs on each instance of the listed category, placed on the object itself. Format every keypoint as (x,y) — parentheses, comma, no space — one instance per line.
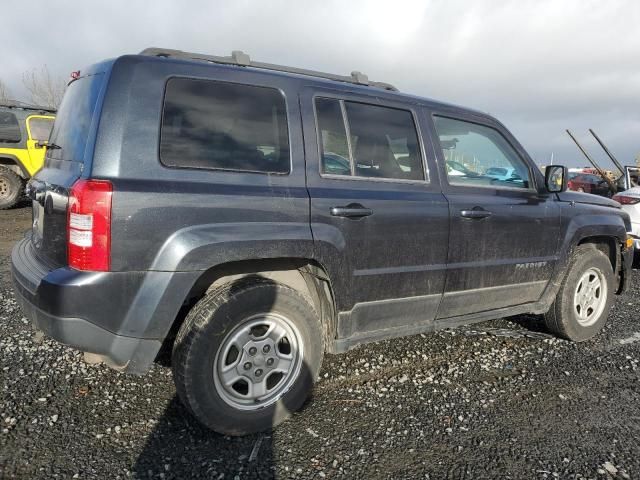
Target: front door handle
(475,213)
(351,211)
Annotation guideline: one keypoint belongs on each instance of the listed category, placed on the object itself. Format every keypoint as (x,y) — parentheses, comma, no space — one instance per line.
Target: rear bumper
(121,316)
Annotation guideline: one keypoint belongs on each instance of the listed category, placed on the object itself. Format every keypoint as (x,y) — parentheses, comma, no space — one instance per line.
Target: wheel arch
(605,232)
(14,164)
(607,245)
(304,275)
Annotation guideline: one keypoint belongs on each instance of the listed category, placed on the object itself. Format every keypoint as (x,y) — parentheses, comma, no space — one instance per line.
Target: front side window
(40,128)
(219,125)
(479,156)
(9,128)
(384,141)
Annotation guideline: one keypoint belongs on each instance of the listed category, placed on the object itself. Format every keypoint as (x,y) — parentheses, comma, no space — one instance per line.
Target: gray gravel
(494,400)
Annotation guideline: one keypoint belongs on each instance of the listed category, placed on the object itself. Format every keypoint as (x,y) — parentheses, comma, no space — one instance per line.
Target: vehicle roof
(590,175)
(310,79)
(17,105)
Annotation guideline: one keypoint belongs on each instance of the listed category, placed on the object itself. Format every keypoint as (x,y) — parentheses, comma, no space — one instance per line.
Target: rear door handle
(475,213)
(351,211)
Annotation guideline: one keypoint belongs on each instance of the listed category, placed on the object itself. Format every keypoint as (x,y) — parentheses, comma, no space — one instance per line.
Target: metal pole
(606,150)
(612,186)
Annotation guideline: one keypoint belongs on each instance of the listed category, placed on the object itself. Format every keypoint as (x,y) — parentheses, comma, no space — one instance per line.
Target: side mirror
(555,178)
(630,176)
(40,144)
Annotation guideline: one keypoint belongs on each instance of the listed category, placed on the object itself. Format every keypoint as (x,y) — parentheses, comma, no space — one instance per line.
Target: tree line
(43,88)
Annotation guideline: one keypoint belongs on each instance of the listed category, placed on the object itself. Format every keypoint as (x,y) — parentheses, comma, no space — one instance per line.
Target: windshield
(73,120)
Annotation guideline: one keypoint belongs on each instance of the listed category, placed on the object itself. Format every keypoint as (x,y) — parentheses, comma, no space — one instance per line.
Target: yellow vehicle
(24,131)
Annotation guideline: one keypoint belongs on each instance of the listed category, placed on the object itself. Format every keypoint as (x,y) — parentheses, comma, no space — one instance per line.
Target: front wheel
(247,356)
(582,304)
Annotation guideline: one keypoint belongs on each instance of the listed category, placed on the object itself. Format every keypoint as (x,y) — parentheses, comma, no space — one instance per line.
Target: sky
(539,66)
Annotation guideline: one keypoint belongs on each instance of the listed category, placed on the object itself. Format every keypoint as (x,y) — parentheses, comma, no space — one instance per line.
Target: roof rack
(26,106)
(242,59)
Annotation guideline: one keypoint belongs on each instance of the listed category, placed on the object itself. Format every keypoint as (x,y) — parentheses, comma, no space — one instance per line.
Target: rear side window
(40,128)
(9,128)
(219,125)
(382,141)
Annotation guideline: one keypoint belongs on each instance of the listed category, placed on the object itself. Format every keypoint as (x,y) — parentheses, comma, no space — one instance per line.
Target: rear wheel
(247,356)
(11,187)
(582,304)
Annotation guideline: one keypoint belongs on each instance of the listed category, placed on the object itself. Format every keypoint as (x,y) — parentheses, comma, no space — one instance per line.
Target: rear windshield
(73,120)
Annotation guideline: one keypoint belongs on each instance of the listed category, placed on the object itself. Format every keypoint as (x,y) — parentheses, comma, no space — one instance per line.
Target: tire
(564,317)
(11,187)
(235,316)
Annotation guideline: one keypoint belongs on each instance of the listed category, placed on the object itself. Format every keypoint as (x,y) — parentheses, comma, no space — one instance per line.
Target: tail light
(626,200)
(89,225)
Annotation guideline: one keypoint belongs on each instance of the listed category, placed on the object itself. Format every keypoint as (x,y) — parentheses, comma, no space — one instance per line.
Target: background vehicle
(589,183)
(203,216)
(500,173)
(457,169)
(23,130)
(630,201)
(336,164)
(629,198)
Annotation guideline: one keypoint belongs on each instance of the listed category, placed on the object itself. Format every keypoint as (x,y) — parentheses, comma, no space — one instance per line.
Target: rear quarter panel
(178,219)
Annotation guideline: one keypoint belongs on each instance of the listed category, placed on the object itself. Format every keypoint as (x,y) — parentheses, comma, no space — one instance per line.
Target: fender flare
(202,247)
(16,160)
(580,228)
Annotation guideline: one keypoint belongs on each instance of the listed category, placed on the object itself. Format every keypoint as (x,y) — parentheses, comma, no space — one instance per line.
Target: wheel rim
(258,361)
(590,297)
(4,188)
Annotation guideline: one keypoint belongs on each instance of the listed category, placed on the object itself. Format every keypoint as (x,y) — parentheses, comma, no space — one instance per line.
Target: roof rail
(242,59)
(25,106)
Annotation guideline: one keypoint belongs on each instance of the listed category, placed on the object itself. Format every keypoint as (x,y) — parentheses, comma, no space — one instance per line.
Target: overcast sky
(539,66)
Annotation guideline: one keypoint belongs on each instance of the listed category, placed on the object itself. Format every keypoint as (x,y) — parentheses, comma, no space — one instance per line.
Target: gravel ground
(495,400)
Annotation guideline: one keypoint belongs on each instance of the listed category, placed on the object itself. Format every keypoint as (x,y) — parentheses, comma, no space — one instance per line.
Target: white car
(630,201)
(500,173)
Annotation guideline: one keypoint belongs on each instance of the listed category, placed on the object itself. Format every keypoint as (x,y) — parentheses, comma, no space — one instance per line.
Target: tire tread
(193,329)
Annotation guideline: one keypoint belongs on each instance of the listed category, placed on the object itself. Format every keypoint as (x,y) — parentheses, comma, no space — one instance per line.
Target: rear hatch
(68,155)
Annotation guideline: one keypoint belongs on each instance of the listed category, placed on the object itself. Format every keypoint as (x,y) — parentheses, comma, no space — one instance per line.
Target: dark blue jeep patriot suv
(253,217)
